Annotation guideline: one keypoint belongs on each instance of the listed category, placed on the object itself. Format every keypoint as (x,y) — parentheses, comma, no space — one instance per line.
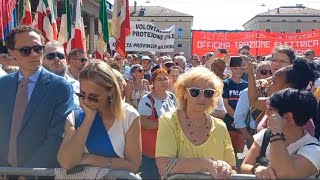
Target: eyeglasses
(26,50)
(265,71)
(281,62)
(245,53)
(118,59)
(139,70)
(90,98)
(162,79)
(307,54)
(169,65)
(53,56)
(81,59)
(195,92)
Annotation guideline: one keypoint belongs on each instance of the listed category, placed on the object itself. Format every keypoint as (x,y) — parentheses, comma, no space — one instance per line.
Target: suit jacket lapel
(40,89)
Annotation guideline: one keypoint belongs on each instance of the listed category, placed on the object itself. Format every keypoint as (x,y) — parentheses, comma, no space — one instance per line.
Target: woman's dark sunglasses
(53,56)
(82,59)
(265,72)
(195,92)
(26,50)
(169,65)
(90,98)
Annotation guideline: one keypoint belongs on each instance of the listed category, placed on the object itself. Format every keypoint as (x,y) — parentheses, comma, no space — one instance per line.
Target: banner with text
(147,37)
(260,42)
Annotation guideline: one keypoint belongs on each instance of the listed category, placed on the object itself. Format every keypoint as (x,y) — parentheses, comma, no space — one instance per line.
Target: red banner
(260,42)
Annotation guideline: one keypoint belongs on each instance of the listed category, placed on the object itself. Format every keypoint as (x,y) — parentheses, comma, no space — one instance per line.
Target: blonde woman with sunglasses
(189,139)
(106,131)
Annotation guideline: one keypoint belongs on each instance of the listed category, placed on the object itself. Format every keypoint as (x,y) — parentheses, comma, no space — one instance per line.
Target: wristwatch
(253,169)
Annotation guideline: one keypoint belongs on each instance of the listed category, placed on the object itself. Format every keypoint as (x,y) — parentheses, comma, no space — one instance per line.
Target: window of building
(268,20)
(284,20)
(298,31)
(299,20)
(267,30)
(180,45)
(180,33)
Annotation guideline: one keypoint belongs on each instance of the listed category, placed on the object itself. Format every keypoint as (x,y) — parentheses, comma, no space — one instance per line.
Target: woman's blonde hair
(187,79)
(102,74)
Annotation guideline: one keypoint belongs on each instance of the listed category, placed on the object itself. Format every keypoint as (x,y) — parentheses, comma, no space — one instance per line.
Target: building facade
(286,19)
(164,18)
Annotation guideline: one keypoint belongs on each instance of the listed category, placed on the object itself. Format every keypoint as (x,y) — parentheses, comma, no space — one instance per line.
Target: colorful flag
(121,24)
(25,12)
(65,25)
(103,30)
(45,20)
(78,39)
(8,17)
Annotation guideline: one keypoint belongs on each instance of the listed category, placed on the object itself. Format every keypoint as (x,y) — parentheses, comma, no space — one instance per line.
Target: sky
(223,14)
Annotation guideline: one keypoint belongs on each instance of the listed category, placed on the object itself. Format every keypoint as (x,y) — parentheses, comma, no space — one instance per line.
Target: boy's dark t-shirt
(231,91)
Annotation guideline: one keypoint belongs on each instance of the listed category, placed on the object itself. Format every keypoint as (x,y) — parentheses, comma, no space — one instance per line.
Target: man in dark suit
(32,116)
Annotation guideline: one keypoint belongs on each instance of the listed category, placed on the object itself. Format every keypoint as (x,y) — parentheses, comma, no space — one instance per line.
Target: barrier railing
(37,173)
(207,176)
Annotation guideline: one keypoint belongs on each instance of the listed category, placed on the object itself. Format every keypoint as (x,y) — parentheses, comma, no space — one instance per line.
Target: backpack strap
(262,159)
(265,142)
(153,109)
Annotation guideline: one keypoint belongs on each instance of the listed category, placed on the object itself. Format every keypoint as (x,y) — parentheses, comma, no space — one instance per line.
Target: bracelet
(253,169)
(277,139)
(277,134)
(169,167)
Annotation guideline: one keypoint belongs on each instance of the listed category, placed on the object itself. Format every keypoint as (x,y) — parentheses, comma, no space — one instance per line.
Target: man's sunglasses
(195,92)
(265,72)
(90,98)
(82,59)
(26,50)
(169,65)
(53,56)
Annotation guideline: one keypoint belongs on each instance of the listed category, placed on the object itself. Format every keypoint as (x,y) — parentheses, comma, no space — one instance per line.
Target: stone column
(91,34)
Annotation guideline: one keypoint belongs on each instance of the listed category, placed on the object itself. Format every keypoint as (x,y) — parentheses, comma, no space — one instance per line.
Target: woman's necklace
(193,127)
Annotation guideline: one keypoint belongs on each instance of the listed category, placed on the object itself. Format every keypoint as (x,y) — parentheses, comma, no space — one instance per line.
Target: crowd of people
(157,115)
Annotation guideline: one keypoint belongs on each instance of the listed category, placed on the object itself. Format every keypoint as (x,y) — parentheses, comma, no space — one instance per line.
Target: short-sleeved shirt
(117,132)
(231,91)
(161,106)
(172,142)
(310,152)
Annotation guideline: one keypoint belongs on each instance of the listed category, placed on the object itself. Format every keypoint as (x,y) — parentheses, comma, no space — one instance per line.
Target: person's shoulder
(53,77)
(243,81)
(7,77)
(129,109)
(218,123)
(227,80)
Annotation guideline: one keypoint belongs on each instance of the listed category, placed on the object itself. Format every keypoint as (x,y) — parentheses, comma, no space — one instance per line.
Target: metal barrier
(208,176)
(37,173)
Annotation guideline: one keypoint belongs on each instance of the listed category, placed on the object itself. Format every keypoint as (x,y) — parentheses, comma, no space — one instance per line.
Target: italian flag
(25,12)
(45,20)
(65,26)
(121,25)
(103,33)
(78,39)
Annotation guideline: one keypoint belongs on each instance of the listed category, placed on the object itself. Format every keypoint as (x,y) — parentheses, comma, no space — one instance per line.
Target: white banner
(147,37)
